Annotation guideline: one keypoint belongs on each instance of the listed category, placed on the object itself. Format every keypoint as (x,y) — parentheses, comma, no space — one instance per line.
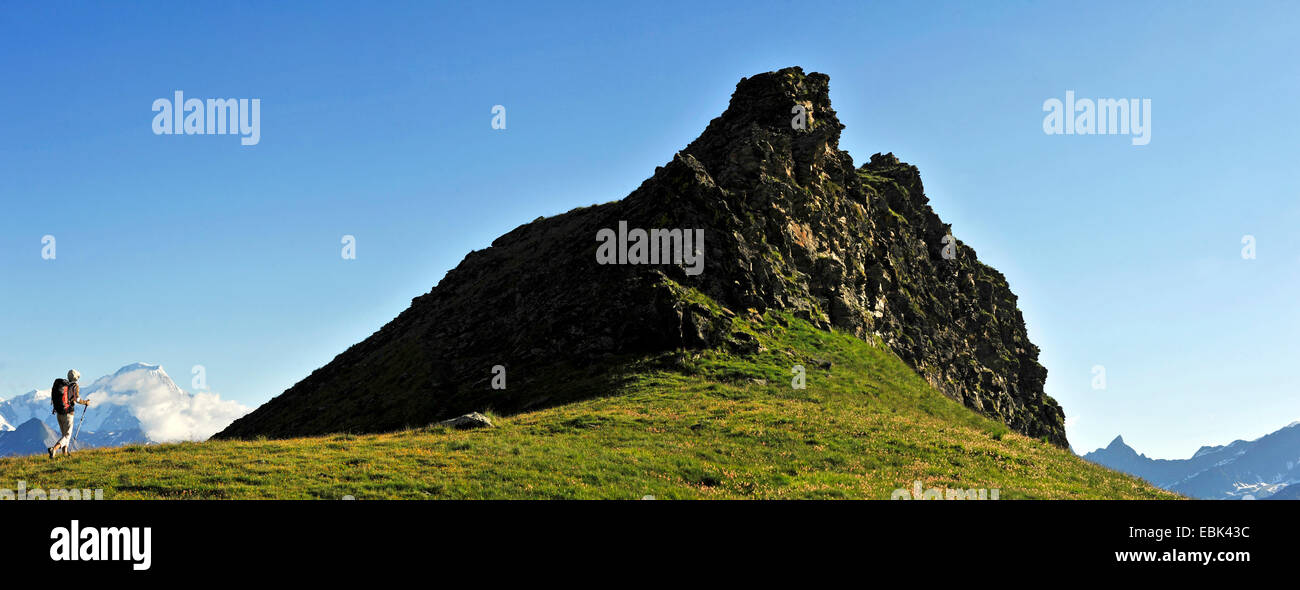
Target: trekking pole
(84,408)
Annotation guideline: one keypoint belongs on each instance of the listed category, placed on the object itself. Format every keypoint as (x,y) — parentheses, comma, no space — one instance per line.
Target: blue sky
(375,122)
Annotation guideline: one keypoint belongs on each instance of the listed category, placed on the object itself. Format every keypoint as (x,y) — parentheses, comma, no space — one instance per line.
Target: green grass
(682,425)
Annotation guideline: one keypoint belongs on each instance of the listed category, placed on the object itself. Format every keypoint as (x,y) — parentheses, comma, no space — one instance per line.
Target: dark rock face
(789,223)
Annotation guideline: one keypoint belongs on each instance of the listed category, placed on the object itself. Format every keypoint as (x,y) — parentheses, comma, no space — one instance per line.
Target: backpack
(59,396)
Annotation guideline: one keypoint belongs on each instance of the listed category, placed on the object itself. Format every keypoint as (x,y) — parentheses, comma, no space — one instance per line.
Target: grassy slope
(687,425)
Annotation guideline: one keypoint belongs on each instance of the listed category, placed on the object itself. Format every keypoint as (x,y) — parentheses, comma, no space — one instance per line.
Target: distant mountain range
(32,437)
(137,404)
(1264,468)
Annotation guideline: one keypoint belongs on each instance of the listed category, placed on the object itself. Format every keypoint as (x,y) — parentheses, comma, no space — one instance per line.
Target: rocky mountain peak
(1119,447)
(787,223)
(785,113)
(766,99)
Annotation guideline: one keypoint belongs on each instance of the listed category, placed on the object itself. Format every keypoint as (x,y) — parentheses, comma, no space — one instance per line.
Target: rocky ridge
(790,224)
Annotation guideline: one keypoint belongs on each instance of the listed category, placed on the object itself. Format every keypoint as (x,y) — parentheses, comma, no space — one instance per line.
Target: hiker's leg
(65,428)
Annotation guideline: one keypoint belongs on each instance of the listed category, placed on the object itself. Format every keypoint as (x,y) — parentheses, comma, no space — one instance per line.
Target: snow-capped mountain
(1262,468)
(24,407)
(137,404)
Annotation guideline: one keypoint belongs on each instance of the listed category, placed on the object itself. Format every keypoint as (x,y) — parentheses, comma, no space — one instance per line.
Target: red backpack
(59,397)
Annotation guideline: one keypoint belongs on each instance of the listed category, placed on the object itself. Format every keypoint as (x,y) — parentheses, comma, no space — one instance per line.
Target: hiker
(65,396)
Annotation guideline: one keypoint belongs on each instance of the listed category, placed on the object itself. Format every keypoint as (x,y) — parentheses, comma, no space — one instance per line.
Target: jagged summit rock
(738,146)
(789,224)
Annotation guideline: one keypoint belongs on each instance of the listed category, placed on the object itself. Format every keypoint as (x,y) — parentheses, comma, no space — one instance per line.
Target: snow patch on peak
(137,366)
(21,408)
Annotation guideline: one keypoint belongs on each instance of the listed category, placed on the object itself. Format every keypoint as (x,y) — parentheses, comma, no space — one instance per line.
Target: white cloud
(166,413)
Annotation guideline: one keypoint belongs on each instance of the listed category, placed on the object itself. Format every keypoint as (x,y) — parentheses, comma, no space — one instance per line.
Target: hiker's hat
(73,375)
